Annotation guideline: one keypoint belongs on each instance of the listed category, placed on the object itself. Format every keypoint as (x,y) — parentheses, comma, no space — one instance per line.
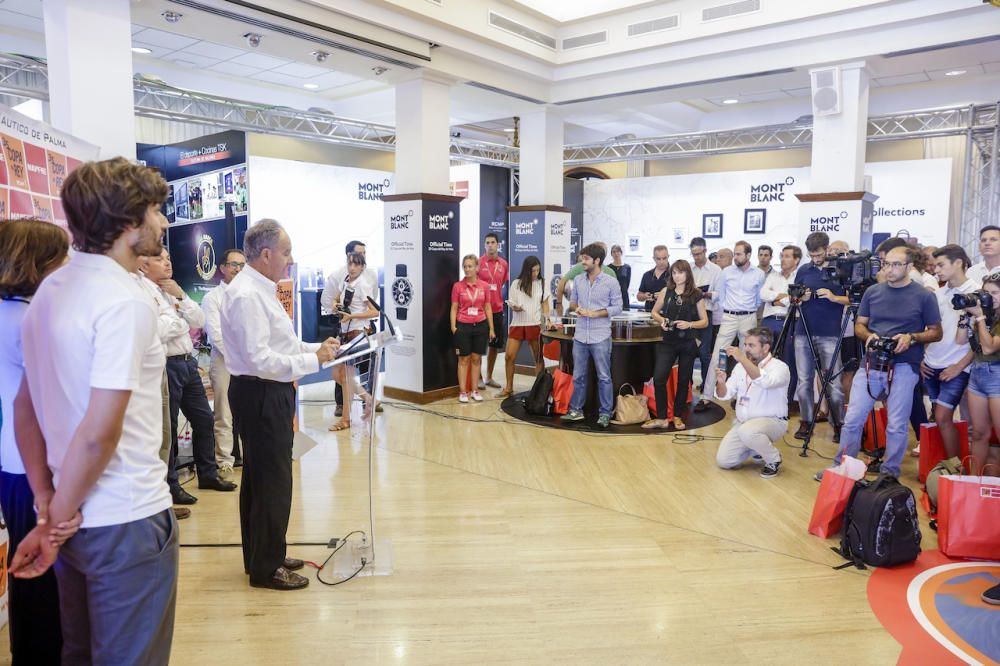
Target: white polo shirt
(258,334)
(764,397)
(91,326)
(11,371)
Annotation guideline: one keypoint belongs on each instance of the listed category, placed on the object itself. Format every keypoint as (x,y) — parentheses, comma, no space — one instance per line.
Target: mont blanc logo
(440,222)
(765,192)
(557,229)
(372,190)
(400,220)
(827,223)
(525,228)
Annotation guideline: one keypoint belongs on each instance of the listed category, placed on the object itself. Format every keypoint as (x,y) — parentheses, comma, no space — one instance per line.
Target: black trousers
(187,395)
(33,608)
(683,352)
(263,412)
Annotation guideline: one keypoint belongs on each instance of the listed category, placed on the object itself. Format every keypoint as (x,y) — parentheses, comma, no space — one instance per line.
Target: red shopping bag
(562,390)
(969,516)
(931,449)
(650,392)
(831,502)
(867,440)
(550,350)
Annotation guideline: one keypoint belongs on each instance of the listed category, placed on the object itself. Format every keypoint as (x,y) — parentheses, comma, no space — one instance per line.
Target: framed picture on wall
(754,220)
(711,225)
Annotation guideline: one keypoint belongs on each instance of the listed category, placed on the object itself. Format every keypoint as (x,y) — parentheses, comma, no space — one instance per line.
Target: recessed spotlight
(508,129)
(955,72)
(380,70)
(141,50)
(731,100)
(171,17)
(320,56)
(253,39)
(310,86)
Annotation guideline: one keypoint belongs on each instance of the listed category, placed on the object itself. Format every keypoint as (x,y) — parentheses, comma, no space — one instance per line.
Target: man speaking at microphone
(264,357)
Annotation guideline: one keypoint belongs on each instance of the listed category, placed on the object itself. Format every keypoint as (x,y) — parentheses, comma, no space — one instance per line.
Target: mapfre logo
(400,220)
(440,222)
(372,190)
(765,192)
(824,223)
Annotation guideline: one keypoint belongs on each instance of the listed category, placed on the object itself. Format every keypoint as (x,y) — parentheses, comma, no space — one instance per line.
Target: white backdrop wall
(465,181)
(913,200)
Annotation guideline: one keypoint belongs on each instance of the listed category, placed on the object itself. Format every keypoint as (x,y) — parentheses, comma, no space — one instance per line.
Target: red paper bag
(867,441)
(550,350)
(831,502)
(650,392)
(931,449)
(969,516)
(562,390)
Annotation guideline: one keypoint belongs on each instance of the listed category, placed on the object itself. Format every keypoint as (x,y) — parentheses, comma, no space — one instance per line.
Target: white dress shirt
(764,397)
(211,305)
(705,276)
(11,371)
(977,272)
(334,285)
(105,339)
(776,284)
(258,333)
(176,318)
(739,289)
(946,351)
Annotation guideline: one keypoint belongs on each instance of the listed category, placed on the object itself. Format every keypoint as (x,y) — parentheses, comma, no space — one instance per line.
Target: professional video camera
(854,271)
(797,291)
(881,353)
(981,298)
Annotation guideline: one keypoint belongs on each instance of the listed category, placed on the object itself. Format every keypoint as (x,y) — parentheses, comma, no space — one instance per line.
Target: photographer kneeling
(896,319)
(760,385)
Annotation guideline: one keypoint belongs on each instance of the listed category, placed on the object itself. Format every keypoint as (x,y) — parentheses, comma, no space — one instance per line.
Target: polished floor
(513,543)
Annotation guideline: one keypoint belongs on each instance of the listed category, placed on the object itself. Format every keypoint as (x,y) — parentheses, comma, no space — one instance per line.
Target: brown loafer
(180,512)
(283,579)
(293,564)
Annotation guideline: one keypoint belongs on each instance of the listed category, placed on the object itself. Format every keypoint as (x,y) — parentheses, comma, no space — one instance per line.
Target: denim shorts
(948,393)
(984,380)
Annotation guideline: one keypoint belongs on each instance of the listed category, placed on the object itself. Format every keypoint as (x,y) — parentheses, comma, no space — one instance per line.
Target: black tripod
(826,376)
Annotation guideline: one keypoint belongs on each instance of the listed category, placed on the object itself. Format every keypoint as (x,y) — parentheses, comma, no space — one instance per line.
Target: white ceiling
(572,10)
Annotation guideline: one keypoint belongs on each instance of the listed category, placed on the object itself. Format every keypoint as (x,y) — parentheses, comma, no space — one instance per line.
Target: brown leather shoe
(180,512)
(803,430)
(293,564)
(283,579)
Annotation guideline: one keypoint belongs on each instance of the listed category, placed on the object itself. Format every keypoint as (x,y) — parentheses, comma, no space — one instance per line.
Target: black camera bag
(881,527)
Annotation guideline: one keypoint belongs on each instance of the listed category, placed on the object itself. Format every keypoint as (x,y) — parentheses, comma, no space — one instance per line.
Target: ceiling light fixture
(379,70)
(310,86)
(731,100)
(253,39)
(171,17)
(142,50)
(320,56)
(955,72)
(508,129)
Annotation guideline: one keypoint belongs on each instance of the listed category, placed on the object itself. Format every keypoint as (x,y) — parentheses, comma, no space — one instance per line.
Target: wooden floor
(518,544)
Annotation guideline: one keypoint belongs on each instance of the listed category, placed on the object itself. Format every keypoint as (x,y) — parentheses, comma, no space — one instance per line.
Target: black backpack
(881,528)
(539,401)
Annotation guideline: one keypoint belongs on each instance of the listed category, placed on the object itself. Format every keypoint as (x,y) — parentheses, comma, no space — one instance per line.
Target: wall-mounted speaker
(825,91)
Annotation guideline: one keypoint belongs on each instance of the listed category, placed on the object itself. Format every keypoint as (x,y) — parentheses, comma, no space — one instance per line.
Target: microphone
(392,329)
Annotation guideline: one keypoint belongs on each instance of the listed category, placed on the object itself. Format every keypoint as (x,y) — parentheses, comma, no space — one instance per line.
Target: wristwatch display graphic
(402,292)
(556,277)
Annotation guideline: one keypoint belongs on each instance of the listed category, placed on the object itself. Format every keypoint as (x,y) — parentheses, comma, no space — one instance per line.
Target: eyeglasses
(896,264)
(236,264)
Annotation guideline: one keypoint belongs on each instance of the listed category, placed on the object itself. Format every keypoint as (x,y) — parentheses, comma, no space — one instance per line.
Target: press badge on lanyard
(493,275)
(472,310)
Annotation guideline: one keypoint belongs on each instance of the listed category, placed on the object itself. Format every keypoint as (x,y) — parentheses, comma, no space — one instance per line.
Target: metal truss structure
(27,77)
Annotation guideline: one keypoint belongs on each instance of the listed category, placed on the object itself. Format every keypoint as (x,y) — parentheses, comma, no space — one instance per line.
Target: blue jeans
(601,353)
(806,368)
(898,405)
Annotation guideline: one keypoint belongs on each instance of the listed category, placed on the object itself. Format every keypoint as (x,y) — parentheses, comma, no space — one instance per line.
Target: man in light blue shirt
(596,298)
(738,295)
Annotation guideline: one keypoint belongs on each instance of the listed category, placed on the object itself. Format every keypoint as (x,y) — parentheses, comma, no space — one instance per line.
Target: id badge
(472,311)
(493,287)
(744,401)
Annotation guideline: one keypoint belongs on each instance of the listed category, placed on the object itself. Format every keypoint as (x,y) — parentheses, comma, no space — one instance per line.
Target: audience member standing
(88,416)
(264,357)
(494,271)
(472,326)
(529,306)
(623,272)
(774,293)
(29,250)
(655,279)
(705,273)
(233,262)
(358,314)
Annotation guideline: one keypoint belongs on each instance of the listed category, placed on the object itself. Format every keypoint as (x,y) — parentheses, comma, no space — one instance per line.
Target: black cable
(342,543)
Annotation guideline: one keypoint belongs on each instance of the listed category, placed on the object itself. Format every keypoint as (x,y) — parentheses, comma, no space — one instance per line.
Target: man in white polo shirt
(759,384)
(88,422)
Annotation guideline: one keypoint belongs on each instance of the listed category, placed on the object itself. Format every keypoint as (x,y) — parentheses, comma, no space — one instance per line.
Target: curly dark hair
(104,199)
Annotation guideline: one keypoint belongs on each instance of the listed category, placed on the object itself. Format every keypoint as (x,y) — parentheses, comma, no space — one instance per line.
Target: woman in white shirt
(356,315)
(528,298)
(29,251)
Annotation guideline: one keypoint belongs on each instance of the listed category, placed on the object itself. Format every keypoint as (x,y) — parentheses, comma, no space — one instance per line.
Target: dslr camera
(972,299)
(796,291)
(881,353)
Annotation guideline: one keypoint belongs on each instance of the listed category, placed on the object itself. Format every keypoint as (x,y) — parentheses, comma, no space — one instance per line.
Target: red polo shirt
(494,272)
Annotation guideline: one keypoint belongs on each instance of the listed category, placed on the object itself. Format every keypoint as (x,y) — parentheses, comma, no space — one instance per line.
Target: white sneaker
(916,451)
(476,396)
(463,397)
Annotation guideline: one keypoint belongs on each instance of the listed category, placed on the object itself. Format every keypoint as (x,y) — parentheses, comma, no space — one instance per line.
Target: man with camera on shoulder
(895,320)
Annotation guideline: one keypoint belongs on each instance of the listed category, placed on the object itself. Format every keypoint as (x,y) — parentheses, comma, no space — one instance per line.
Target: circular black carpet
(514,406)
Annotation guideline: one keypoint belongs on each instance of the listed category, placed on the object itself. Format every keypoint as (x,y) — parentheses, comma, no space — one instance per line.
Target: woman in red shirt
(472,325)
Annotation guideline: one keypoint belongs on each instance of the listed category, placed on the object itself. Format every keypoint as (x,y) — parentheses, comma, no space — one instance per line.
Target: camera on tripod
(797,291)
(881,353)
(981,298)
(854,271)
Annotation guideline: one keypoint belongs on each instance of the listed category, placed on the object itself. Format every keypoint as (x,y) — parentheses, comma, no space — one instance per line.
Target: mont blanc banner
(758,206)
(34,161)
